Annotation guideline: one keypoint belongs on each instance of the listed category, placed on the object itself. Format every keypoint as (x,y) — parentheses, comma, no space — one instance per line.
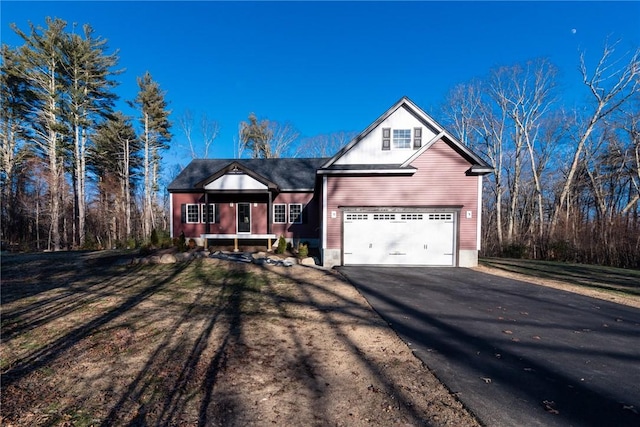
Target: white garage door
(399,238)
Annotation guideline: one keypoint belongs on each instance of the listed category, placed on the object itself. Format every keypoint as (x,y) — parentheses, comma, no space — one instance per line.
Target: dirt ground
(89,341)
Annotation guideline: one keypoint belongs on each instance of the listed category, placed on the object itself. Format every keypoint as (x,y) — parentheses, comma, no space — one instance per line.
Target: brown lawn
(87,340)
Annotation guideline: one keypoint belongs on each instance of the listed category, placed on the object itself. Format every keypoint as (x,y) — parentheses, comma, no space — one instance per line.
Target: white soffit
(235,182)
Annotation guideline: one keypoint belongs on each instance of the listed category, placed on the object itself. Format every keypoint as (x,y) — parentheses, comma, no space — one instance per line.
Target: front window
(295,213)
(208,215)
(279,214)
(193,214)
(402,138)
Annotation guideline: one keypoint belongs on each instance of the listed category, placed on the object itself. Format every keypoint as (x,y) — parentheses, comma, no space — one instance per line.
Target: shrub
(180,242)
(562,250)
(91,243)
(154,238)
(514,250)
(128,243)
(146,249)
(303,250)
(164,239)
(282,245)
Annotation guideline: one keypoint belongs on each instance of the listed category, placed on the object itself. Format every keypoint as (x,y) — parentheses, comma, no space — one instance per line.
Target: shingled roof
(288,174)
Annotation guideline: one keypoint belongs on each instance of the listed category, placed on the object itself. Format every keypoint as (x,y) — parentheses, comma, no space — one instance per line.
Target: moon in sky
(573,31)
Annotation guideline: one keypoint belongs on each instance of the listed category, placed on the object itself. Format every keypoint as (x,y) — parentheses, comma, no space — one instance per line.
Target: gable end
(236,167)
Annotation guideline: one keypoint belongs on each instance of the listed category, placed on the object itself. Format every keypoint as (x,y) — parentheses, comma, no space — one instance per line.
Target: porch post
(207,228)
(269,221)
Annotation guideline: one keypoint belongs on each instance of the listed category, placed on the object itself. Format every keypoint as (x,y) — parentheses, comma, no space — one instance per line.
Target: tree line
(566,184)
(59,129)
(76,173)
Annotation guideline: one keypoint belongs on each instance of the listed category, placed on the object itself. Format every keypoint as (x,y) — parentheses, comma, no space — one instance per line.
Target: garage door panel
(356,228)
(398,238)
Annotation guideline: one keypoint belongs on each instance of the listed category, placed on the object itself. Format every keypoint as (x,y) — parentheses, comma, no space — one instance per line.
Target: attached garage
(399,237)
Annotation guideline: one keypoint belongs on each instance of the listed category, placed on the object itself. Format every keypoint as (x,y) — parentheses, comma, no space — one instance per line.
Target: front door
(244,217)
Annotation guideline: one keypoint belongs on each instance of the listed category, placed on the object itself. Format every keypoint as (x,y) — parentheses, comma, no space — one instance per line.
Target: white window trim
(394,139)
(299,220)
(285,213)
(203,210)
(198,209)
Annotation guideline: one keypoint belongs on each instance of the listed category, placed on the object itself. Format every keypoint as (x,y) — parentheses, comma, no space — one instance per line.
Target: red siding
(307,230)
(190,230)
(439,181)
(228,223)
(228,214)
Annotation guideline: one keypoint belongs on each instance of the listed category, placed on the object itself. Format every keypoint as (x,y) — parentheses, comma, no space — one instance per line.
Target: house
(402,192)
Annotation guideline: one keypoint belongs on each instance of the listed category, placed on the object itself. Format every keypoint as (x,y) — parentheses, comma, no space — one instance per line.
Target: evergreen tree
(256,136)
(88,99)
(42,56)
(267,139)
(115,156)
(14,93)
(154,118)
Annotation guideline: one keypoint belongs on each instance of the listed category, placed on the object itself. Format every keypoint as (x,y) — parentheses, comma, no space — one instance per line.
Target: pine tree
(256,136)
(14,93)
(42,56)
(89,99)
(155,137)
(267,139)
(115,156)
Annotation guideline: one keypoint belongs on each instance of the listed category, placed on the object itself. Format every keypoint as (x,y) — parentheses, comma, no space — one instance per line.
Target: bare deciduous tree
(526,96)
(205,134)
(323,145)
(610,85)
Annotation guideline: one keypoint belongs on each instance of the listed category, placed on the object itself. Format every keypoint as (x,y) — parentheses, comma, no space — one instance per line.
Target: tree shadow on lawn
(590,276)
(185,325)
(27,275)
(57,298)
(179,363)
(46,313)
(134,286)
(219,404)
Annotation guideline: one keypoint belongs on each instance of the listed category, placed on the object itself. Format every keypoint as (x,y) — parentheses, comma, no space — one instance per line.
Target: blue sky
(328,66)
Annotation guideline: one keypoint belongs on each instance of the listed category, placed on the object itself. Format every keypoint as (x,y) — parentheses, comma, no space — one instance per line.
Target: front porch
(239,237)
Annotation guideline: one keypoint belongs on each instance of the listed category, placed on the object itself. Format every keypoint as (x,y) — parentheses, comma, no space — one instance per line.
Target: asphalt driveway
(514,353)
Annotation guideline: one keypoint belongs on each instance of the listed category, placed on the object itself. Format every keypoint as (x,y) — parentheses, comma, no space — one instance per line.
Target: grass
(609,279)
(90,340)
(64,313)
(73,417)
